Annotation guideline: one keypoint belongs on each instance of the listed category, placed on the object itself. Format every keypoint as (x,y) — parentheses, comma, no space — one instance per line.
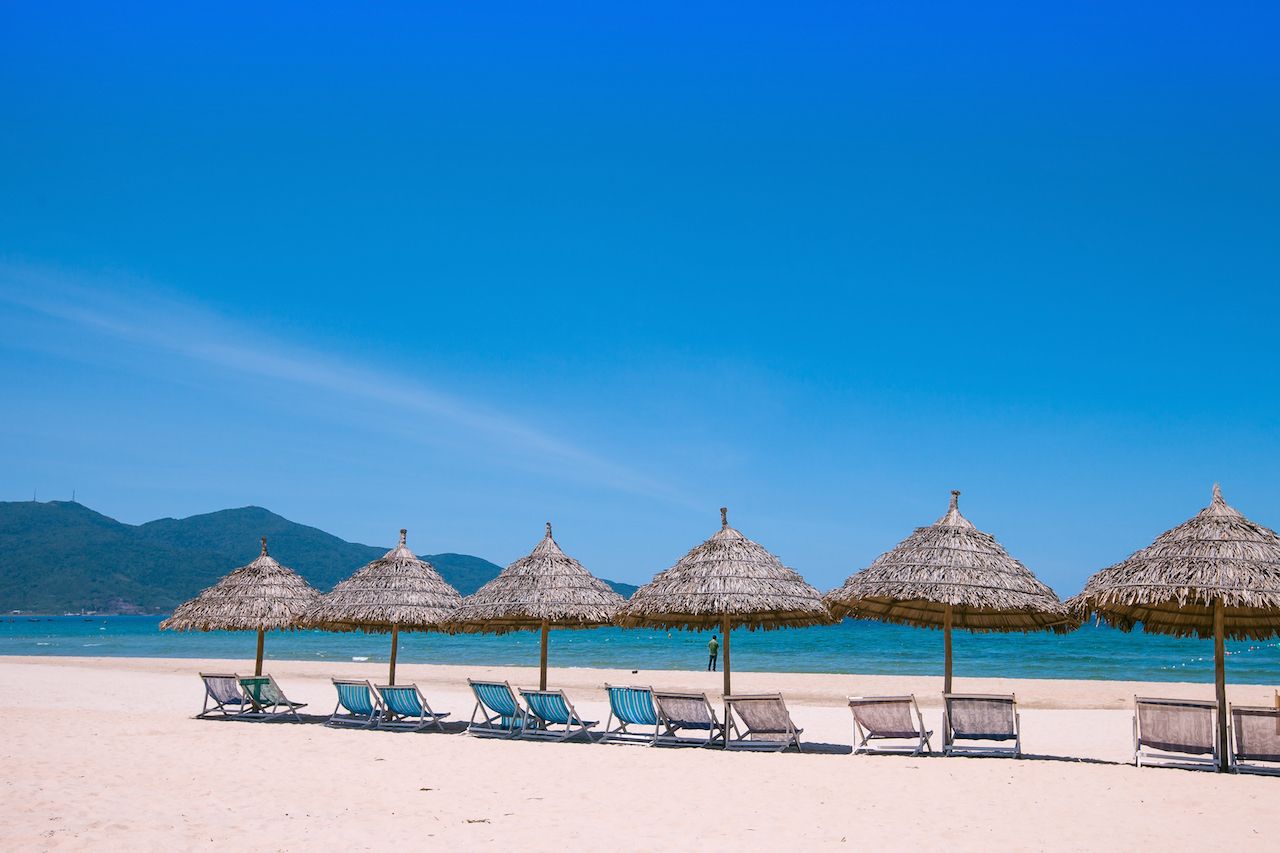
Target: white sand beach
(104,754)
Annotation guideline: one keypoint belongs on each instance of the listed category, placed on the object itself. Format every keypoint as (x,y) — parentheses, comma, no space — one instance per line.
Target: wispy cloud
(146,317)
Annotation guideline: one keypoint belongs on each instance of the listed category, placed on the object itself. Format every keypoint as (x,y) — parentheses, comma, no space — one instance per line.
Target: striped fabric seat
(760,721)
(547,709)
(358,704)
(981,717)
(355,698)
(632,706)
(402,700)
(892,718)
(497,711)
(1175,732)
(267,699)
(680,711)
(223,690)
(499,698)
(1256,731)
(404,707)
(547,706)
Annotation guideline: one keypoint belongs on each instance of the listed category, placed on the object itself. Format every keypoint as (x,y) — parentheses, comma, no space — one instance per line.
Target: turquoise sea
(852,647)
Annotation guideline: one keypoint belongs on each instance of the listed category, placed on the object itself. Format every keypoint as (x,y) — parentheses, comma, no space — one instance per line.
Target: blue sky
(468,269)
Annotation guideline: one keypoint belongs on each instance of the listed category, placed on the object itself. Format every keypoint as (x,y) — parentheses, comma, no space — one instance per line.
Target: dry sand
(103,753)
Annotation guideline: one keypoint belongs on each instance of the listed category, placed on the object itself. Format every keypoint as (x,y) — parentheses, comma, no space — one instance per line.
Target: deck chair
(223,691)
(1181,731)
(547,708)
(888,718)
(679,712)
(358,704)
(632,706)
(981,717)
(405,707)
(267,699)
(499,711)
(1256,735)
(765,723)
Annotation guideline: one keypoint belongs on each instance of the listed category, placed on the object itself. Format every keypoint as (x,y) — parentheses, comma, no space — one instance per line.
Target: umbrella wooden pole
(946,649)
(725,629)
(257,667)
(395,647)
(946,663)
(1220,682)
(542,667)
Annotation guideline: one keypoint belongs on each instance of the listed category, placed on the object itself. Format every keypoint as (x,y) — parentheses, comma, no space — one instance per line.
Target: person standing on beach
(714,648)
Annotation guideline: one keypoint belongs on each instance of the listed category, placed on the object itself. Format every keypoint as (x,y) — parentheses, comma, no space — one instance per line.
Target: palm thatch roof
(728,576)
(396,590)
(1171,585)
(547,587)
(262,596)
(953,563)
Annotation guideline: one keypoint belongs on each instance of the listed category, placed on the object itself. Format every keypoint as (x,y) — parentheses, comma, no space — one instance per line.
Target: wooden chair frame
(220,706)
(739,736)
(949,746)
(671,727)
(392,719)
(490,724)
(269,710)
(862,737)
(622,733)
(537,726)
(357,719)
(1170,758)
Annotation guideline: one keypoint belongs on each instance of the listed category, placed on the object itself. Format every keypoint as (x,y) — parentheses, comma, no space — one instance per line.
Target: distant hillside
(62,556)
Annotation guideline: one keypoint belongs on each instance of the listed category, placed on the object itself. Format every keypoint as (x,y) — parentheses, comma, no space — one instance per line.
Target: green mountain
(62,556)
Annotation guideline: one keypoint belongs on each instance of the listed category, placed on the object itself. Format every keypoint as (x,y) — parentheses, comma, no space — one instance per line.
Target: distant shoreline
(1092,653)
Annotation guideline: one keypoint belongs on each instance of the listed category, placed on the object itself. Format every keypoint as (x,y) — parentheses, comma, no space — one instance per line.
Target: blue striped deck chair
(498,709)
(267,699)
(406,708)
(358,704)
(692,712)
(547,708)
(223,691)
(632,706)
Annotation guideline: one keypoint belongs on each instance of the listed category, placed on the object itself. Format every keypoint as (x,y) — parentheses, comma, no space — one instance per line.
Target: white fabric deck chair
(888,718)
(223,690)
(1256,737)
(550,714)
(692,712)
(631,707)
(1182,732)
(358,704)
(498,710)
(267,699)
(404,707)
(765,723)
(991,719)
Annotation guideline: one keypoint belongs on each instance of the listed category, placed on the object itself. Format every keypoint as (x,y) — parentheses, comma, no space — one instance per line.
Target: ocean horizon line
(1094,652)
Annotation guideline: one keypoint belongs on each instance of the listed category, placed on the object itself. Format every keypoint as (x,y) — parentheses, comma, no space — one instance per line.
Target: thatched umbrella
(1216,575)
(544,590)
(951,575)
(395,591)
(726,582)
(262,596)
